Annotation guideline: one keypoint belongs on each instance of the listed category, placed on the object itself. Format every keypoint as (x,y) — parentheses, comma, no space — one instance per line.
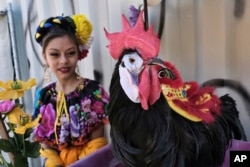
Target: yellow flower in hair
(83,28)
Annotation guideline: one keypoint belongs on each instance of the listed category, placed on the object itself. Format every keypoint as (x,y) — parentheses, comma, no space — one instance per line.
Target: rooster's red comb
(145,42)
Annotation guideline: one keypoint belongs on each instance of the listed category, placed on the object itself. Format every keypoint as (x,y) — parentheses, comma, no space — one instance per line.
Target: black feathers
(159,137)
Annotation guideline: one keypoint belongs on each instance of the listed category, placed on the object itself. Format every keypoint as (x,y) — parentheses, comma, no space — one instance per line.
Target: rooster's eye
(132,62)
(162,74)
(166,73)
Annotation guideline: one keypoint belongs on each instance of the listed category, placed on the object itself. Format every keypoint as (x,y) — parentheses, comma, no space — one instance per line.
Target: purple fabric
(237,145)
(104,157)
(101,158)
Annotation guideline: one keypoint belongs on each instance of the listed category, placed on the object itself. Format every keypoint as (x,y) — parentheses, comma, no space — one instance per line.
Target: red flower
(83,54)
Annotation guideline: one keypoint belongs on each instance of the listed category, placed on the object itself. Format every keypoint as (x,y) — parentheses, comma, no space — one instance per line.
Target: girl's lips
(64,69)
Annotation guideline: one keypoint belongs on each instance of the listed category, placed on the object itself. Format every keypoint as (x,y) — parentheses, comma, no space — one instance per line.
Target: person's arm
(97,132)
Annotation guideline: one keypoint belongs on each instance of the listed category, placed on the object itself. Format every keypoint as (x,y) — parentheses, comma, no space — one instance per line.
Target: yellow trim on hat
(38,35)
(178,95)
(184,113)
(42,23)
(56,21)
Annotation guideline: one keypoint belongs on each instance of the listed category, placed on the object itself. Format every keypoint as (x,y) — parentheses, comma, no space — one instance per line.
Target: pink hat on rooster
(145,42)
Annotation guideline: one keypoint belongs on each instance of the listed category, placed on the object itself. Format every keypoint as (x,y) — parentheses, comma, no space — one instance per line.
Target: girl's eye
(72,53)
(53,54)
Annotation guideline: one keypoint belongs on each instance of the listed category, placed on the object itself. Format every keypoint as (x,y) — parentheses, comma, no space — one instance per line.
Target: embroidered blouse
(84,108)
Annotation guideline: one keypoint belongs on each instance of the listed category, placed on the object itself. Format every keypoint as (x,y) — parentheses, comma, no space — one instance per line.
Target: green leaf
(18,141)
(20,161)
(12,141)
(6,146)
(32,149)
(28,132)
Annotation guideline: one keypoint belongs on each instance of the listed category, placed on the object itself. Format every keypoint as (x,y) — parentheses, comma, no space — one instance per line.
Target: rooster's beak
(157,61)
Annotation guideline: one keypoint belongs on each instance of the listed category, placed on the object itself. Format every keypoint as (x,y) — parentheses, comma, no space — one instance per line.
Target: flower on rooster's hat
(21,120)
(15,89)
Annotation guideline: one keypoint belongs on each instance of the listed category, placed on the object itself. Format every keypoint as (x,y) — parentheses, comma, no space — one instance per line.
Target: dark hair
(56,31)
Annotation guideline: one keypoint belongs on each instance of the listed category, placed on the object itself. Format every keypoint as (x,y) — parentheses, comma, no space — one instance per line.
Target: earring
(47,75)
(78,73)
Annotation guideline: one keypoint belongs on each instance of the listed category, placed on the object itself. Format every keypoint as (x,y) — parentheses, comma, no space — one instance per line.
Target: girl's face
(61,55)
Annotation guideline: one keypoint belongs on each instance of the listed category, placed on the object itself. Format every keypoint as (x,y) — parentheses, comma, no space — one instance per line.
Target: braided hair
(77,27)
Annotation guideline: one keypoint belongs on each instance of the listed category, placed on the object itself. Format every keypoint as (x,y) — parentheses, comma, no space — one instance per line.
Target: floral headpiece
(78,24)
(145,42)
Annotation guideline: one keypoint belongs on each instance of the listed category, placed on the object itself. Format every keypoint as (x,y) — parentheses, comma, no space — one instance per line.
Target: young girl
(72,109)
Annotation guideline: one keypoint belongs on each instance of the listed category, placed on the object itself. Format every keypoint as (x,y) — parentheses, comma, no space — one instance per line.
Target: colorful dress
(67,120)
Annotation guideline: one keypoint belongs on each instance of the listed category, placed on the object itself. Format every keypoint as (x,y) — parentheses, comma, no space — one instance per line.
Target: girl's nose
(63,59)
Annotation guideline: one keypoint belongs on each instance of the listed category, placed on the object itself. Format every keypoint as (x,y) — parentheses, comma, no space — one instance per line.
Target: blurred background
(204,39)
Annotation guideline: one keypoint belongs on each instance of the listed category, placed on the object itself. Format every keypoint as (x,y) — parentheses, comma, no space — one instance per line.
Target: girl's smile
(61,55)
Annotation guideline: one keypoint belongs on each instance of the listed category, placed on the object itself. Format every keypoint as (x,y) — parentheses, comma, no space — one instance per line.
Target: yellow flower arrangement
(16,126)
(83,28)
(22,120)
(15,89)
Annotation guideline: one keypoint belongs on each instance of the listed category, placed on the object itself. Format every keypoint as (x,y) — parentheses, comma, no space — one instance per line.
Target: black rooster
(156,119)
